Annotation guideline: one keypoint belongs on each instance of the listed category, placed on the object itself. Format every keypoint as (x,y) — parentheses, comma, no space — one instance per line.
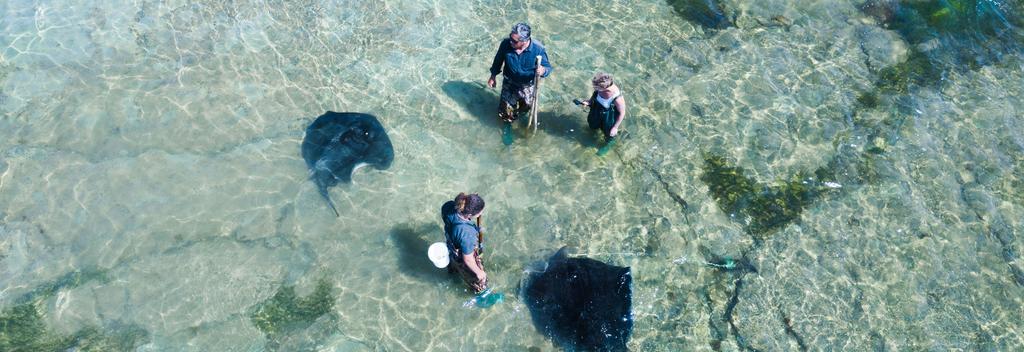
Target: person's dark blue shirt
(458,232)
(520,68)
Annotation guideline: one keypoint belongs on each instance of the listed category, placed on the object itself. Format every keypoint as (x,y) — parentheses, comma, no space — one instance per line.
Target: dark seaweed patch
(67,281)
(867,100)
(958,35)
(22,329)
(286,312)
(917,70)
(760,208)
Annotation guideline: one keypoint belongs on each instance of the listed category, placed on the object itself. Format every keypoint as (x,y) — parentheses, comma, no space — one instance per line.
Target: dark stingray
(337,143)
(581,304)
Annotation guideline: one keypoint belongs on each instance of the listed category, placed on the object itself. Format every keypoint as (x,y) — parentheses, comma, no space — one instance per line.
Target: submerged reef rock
(917,17)
(67,281)
(867,100)
(945,36)
(739,264)
(989,16)
(883,11)
(286,312)
(707,13)
(918,70)
(760,208)
(22,326)
(22,329)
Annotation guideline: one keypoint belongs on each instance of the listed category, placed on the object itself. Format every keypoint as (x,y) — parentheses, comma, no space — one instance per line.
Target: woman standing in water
(607,109)
(462,236)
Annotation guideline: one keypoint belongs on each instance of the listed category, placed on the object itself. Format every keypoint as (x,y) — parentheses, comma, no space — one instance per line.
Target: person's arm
(468,244)
(590,101)
(620,103)
(496,64)
(470,260)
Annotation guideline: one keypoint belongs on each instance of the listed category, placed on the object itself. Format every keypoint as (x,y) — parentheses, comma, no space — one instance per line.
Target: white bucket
(438,253)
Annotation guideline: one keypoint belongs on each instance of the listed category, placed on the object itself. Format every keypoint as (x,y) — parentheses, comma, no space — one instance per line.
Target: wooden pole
(480,235)
(536,96)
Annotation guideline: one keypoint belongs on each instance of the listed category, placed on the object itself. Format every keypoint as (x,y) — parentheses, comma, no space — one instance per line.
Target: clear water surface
(152,195)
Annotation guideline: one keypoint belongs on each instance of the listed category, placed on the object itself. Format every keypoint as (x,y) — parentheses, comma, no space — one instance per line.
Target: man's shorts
(515,99)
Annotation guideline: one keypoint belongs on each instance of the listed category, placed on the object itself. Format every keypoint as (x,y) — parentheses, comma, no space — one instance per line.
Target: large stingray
(581,304)
(338,143)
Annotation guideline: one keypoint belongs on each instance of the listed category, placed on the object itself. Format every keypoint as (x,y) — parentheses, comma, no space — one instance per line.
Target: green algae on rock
(917,70)
(920,20)
(286,311)
(760,208)
(956,15)
(944,36)
(67,281)
(22,329)
(867,100)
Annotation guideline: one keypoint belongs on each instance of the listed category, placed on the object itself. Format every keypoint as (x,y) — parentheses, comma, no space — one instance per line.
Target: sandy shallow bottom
(151,186)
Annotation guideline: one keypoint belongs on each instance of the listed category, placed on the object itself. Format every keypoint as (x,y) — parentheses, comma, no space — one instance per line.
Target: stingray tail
(323,192)
(561,255)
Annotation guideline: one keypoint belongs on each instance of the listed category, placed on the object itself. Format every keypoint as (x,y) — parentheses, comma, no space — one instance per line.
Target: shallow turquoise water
(151,184)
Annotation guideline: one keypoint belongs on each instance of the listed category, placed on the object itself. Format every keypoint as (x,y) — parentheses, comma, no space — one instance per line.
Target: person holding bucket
(463,240)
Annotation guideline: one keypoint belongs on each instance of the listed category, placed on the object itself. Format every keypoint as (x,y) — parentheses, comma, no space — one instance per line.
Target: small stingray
(338,143)
(581,304)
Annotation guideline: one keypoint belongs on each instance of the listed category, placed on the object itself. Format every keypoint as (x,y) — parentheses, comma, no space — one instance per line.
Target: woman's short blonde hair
(602,80)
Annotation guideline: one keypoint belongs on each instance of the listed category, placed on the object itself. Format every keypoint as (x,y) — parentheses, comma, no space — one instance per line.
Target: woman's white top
(607,103)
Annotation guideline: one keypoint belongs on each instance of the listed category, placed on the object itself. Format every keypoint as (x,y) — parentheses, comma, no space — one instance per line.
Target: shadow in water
(412,244)
(572,127)
(482,102)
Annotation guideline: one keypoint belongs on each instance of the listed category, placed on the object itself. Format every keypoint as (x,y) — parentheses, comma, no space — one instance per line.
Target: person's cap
(438,253)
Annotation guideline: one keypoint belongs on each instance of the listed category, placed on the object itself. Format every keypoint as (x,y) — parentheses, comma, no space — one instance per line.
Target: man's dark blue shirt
(520,69)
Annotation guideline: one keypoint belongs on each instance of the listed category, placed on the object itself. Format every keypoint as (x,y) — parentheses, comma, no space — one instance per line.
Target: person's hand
(481,277)
(614,131)
(490,82)
(540,70)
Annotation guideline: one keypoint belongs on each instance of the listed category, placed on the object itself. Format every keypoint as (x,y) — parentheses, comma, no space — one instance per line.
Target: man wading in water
(516,59)
(463,239)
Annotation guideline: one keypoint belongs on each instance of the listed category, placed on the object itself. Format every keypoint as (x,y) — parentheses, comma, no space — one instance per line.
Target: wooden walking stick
(480,236)
(536,95)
